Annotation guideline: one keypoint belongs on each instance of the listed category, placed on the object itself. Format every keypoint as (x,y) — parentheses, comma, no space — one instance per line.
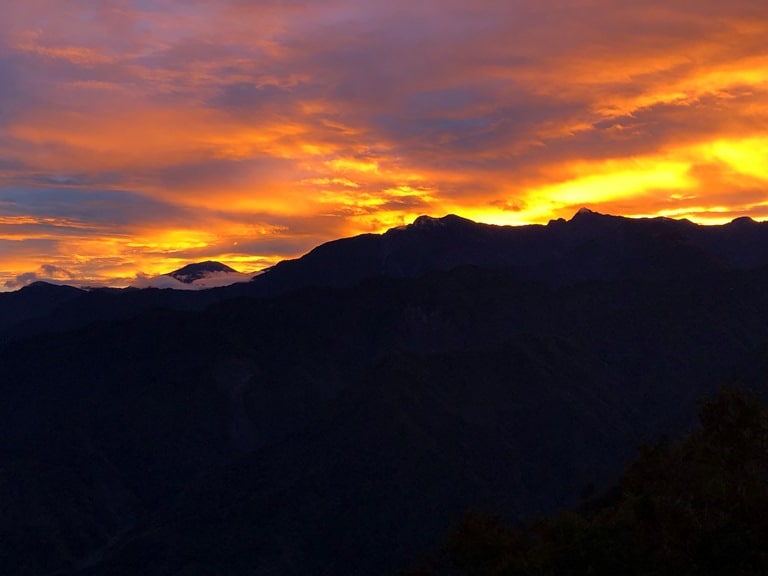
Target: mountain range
(339,411)
(589,247)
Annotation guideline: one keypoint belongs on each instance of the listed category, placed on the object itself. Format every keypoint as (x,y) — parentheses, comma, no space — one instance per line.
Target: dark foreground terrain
(340,412)
(698,507)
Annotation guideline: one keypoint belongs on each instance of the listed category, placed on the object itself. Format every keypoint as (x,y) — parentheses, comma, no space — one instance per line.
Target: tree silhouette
(699,507)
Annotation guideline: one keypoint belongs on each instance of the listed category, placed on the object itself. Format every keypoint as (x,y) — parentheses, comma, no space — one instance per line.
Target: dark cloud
(100,209)
(26,248)
(22,280)
(249,98)
(409,202)
(12,93)
(52,271)
(46,273)
(223,174)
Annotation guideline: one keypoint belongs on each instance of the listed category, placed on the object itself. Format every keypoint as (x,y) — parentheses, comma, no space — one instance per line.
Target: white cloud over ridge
(211,280)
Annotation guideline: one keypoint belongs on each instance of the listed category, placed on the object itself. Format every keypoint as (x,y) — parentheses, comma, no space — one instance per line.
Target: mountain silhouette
(590,246)
(192,272)
(33,301)
(340,411)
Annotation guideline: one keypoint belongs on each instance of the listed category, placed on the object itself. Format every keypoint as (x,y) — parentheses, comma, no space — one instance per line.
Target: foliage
(697,508)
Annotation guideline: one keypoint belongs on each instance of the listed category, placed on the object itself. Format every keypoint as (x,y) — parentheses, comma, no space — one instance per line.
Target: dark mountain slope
(33,301)
(589,247)
(338,430)
(84,307)
(337,427)
(382,472)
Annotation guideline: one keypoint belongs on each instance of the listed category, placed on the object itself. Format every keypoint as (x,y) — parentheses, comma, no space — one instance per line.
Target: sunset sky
(140,135)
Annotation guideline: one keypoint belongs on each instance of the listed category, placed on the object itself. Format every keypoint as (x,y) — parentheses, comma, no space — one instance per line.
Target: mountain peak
(43,286)
(585,212)
(585,215)
(192,272)
(430,222)
(742,221)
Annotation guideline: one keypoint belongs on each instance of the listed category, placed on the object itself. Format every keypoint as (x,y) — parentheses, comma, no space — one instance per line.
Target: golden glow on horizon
(748,157)
(352,165)
(710,216)
(614,180)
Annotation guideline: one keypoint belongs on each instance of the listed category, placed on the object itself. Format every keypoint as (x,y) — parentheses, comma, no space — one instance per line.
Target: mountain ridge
(386,249)
(560,252)
(198,270)
(589,247)
(335,419)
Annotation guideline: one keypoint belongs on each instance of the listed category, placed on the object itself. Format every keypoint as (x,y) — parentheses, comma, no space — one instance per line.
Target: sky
(137,136)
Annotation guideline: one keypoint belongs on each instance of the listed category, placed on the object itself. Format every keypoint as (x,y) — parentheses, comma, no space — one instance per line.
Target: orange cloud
(137,138)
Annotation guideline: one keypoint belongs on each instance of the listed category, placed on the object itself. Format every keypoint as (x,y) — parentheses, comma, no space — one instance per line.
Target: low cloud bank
(212,280)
